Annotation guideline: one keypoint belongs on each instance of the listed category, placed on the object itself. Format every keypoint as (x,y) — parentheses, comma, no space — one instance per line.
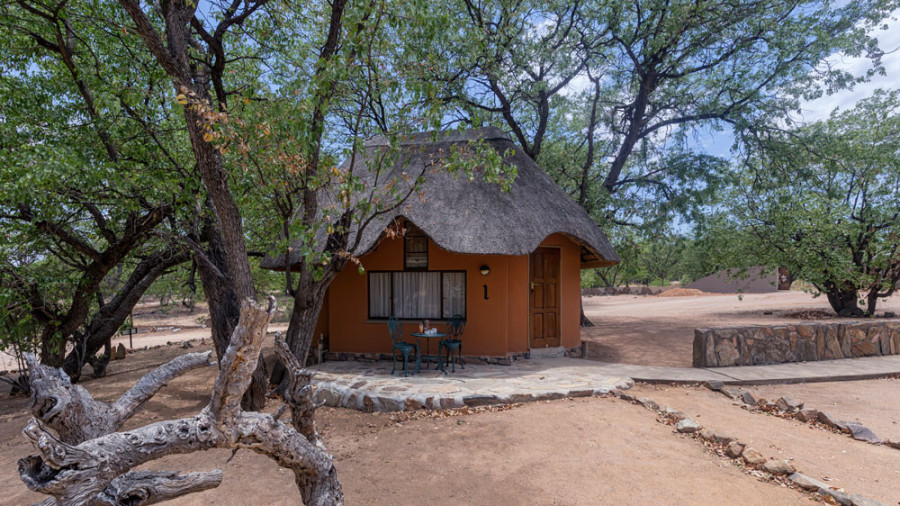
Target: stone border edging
(789,408)
(746,456)
(508,359)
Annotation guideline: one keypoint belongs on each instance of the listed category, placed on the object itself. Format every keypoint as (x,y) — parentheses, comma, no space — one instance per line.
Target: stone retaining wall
(805,342)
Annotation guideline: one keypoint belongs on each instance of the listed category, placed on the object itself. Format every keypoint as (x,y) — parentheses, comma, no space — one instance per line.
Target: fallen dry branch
(76,417)
(81,460)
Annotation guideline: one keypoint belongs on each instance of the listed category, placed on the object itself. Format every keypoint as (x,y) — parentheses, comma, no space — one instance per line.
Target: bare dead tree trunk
(81,460)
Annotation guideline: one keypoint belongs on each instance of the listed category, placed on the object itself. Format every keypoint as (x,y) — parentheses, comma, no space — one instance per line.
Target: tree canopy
(822,200)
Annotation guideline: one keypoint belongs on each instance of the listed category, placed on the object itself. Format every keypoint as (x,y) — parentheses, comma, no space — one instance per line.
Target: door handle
(532,286)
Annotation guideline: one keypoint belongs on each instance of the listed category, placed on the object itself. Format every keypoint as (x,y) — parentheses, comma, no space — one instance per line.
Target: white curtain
(417,294)
(454,294)
(379,294)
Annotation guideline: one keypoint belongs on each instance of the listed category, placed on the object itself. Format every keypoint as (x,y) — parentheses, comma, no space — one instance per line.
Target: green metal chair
(396,330)
(455,327)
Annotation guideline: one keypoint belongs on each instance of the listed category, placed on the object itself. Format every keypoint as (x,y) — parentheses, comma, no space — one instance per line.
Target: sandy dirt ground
(159,326)
(858,467)
(565,452)
(652,330)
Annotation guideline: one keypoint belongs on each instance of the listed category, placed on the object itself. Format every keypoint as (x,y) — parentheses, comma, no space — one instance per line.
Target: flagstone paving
(370,386)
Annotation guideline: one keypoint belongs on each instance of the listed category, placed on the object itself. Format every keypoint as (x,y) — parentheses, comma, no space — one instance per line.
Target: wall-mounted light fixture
(484,270)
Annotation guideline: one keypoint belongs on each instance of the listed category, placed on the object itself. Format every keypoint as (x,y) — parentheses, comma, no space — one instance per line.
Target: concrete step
(557,352)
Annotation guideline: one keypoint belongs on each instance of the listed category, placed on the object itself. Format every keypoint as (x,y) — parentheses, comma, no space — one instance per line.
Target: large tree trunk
(110,317)
(82,460)
(585,322)
(53,347)
(308,301)
(844,302)
(227,261)
(872,301)
(225,311)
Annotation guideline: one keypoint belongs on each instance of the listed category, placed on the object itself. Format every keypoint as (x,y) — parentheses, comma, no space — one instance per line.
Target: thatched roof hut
(475,217)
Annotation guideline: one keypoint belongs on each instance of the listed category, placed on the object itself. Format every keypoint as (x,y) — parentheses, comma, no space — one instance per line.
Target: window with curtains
(417,295)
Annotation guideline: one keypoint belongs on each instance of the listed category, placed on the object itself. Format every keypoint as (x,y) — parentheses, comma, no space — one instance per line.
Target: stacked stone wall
(805,342)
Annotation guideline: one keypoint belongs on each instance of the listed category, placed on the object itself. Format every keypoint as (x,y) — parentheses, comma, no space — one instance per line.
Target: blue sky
(719,143)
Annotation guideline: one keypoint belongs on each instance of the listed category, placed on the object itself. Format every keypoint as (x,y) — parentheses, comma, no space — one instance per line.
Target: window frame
(415,235)
(441,295)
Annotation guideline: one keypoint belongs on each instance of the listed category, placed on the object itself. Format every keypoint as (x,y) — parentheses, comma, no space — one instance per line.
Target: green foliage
(88,155)
(657,258)
(607,96)
(19,332)
(824,201)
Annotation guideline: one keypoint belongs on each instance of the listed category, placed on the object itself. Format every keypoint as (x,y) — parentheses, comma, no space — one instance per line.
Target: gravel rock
(648,403)
(734,449)
(862,433)
(753,457)
(734,393)
(716,437)
(778,467)
(715,385)
(788,404)
(722,438)
(674,415)
(805,482)
(687,426)
(860,500)
(840,497)
(831,421)
(837,496)
(807,415)
(748,398)
(892,443)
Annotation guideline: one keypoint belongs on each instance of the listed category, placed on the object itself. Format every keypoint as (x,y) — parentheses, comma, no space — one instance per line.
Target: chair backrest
(456,325)
(396,329)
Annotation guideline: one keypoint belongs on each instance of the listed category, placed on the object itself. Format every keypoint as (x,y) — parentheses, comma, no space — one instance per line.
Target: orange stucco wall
(494,327)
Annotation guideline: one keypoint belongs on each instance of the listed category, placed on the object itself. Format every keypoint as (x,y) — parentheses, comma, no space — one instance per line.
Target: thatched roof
(476,217)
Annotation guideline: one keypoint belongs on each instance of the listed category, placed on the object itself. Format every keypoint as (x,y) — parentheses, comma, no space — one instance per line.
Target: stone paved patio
(370,386)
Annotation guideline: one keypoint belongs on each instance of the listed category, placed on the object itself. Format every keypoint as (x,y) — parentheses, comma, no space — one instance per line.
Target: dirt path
(860,468)
(584,451)
(652,330)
